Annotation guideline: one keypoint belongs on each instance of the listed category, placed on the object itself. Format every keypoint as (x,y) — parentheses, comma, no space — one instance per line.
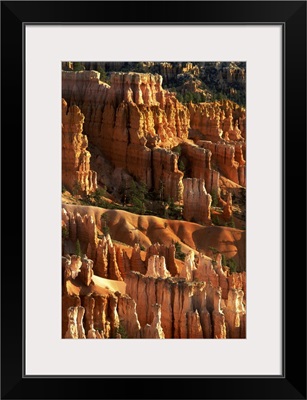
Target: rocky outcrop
(167,70)
(187,270)
(238,281)
(194,326)
(206,119)
(76,173)
(82,228)
(71,266)
(128,317)
(136,261)
(232,73)
(227,209)
(84,89)
(219,325)
(140,132)
(167,179)
(235,314)
(222,274)
(199,166)
(69,318)
(187,308)
(75,328)
(107,260)
(86,271)
(218,120)
(183,305)
(197,201)
(155,330)
(130,118)
(168,252)
(156,267)
(205,271)
(228,158)
(203,303)
(220,128)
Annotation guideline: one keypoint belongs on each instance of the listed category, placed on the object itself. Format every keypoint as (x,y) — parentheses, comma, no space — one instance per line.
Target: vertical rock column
(76,172)
(197,201)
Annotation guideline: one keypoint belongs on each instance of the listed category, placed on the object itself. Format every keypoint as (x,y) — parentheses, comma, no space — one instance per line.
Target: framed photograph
(162,147)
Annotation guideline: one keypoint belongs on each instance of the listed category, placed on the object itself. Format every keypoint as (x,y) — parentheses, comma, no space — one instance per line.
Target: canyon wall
(135,122)
(228,158)
(197,201)
(121,293)
(130,121)
(218,120)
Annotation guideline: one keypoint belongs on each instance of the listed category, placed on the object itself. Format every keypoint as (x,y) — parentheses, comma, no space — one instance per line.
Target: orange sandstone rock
(76,172)
(197,201)
(155,330)
(128,119)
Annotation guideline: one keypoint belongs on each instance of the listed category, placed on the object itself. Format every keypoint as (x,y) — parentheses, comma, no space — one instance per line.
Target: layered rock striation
(121,293)
(228,158)
(129,120)
(76,173)
(196,200)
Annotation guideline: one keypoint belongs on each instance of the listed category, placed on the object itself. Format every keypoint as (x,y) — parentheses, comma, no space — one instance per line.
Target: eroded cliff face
(76,173)
(197,201)
(189,309)
(130,122)
(199,166)
(134,123)
(139,284)
(228,158)
(226,116)
(121,293)
(220,128)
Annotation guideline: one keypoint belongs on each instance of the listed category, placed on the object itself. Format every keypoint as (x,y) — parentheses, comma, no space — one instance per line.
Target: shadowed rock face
(228,157)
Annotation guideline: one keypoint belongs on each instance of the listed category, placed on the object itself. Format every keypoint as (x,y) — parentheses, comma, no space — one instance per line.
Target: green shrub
(215,198)
(174,211)
(122,331)
(215,220)
(178,252)
(214,250)
(78,248)
(78,66)
(106,230)
(231,223)
(104,77)
(104,224)
(177,149)
(65,233)
(181,165)
(232,265)
(136,194)
(77,189)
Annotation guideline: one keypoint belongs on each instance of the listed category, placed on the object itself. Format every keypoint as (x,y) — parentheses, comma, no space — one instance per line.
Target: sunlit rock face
(76,173)
(132,122)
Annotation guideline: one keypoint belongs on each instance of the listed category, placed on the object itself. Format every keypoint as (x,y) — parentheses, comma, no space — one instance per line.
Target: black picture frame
(292,16)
